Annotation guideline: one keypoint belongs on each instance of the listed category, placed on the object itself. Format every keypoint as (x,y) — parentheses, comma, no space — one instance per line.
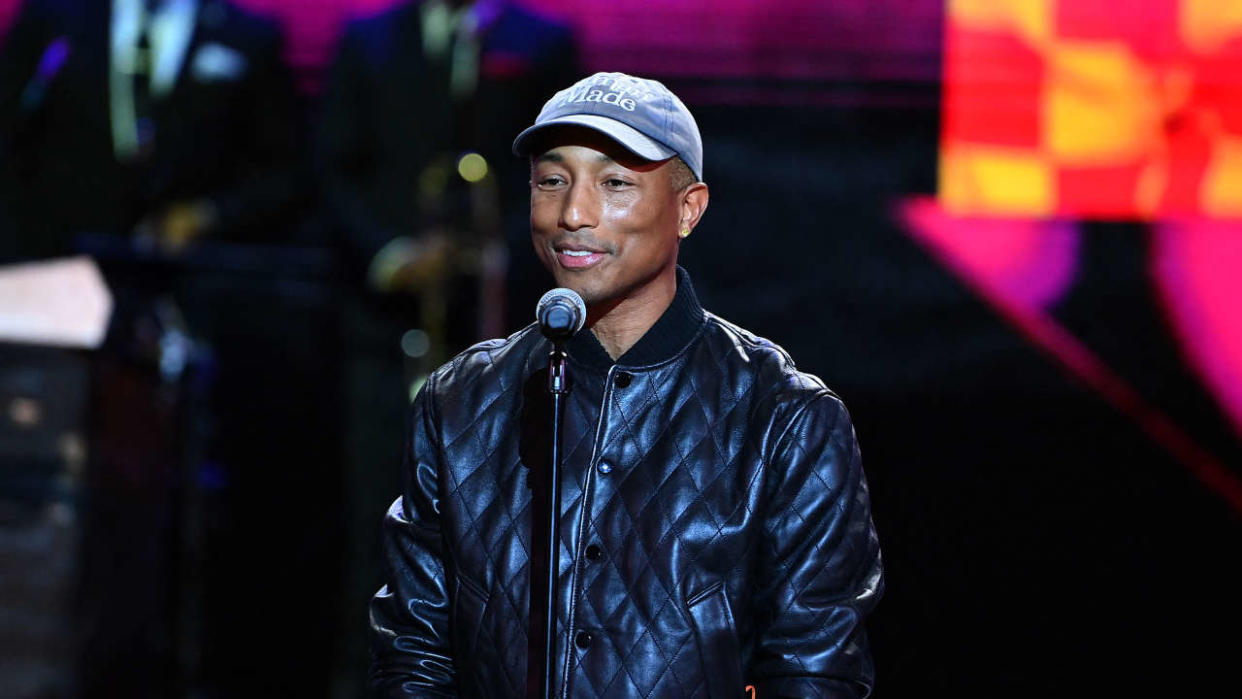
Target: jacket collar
(676,327)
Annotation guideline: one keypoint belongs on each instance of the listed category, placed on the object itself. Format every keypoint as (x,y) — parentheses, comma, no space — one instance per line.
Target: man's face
(604,222)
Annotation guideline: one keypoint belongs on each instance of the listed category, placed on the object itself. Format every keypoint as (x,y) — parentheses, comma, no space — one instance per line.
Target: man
(714,520)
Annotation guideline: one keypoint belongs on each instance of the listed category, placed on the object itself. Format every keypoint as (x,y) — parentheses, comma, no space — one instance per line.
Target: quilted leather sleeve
(410,641)
(819,572)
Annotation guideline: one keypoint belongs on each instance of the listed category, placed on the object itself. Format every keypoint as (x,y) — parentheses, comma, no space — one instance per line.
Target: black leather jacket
(714,523)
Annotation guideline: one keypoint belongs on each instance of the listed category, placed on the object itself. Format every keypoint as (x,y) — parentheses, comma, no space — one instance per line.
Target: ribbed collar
(675,328)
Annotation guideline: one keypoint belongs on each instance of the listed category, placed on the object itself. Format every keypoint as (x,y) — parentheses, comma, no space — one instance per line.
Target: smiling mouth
(577,257)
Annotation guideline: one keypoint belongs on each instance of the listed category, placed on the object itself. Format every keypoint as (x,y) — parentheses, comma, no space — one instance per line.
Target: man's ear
(693,203)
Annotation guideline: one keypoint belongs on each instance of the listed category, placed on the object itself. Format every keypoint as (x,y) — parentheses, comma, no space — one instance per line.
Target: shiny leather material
(714,524)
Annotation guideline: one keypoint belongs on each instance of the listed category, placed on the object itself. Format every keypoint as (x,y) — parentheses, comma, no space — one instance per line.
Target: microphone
(561,313)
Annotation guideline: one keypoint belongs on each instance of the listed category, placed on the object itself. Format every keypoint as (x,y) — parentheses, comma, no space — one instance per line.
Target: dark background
(1038,539)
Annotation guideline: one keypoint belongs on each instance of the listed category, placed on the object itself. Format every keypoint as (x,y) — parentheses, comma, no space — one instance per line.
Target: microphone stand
(558,388)
(561,314)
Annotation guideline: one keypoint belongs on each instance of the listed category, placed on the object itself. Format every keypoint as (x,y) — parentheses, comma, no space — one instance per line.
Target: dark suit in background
(226,133)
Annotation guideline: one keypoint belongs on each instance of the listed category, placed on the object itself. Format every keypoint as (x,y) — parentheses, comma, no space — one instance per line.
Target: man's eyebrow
(553,157)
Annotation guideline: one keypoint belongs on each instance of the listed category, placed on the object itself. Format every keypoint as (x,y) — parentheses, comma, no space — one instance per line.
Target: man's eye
(549,181)
(616,183)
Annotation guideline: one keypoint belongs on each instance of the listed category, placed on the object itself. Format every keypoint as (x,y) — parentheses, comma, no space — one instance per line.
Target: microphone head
(561,313)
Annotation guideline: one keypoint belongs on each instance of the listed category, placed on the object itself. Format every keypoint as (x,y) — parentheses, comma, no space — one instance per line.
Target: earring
(683,233)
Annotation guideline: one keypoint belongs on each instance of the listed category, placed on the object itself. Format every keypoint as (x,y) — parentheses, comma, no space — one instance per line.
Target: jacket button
(605,467)
(623,379)
(583,640)
(593,553)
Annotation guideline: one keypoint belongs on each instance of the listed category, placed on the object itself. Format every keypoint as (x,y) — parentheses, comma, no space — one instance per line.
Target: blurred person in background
(410,92)
(157,125)
(171,119)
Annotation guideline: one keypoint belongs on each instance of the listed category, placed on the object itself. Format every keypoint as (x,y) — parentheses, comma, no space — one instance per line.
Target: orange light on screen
(1092,109)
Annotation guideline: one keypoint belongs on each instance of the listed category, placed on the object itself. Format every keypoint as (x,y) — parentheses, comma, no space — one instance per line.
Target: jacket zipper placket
(588,488)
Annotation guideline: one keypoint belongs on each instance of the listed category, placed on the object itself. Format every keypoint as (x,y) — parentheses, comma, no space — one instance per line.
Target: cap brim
(630,138)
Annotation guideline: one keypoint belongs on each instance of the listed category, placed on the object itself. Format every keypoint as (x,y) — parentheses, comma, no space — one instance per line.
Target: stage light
(472,167)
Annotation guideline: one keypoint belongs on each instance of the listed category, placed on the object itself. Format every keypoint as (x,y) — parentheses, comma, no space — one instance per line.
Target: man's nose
(580,208)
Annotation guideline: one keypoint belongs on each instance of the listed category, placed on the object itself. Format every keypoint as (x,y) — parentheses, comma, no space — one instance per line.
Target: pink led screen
(791,40)
(801,41)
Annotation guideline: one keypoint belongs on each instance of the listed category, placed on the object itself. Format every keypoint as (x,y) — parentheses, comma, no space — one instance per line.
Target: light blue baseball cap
(642,115)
